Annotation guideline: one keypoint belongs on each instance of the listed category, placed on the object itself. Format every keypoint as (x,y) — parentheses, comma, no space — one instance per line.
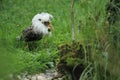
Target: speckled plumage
(30,35)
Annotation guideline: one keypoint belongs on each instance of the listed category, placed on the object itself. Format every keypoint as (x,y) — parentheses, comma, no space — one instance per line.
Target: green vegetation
(92,28)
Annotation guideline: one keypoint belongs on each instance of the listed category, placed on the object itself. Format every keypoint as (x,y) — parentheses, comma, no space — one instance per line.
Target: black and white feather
(41,26)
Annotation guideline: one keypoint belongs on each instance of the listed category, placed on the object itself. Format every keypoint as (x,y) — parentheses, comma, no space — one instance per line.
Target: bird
(41,26)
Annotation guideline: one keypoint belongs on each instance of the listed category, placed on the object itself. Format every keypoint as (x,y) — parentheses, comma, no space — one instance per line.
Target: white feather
(37,23)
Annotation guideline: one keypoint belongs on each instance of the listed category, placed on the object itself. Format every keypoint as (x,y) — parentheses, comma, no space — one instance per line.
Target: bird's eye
(39,19)
(46,23)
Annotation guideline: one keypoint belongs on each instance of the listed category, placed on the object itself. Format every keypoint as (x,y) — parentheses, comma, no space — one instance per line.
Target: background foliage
(91,27)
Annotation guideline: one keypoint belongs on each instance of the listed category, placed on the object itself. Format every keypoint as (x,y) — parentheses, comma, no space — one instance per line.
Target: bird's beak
(51,27)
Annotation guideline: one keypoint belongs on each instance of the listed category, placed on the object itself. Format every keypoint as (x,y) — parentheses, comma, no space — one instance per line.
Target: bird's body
(40,28)
(30,35)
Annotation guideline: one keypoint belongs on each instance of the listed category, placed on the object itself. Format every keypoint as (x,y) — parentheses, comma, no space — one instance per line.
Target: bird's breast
(40,29)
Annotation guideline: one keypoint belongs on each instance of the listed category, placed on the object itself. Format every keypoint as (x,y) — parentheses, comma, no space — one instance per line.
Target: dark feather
(30,35)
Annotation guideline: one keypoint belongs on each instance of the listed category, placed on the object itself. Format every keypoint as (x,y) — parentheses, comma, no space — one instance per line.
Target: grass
(16,16)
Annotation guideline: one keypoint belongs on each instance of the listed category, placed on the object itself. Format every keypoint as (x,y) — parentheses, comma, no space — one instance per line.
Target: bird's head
(43,19)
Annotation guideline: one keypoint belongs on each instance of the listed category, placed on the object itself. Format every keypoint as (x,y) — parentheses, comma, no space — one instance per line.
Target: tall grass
(16,16)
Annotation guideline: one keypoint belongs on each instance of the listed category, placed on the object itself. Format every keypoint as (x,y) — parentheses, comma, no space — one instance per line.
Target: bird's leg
(26,47)
(34,46)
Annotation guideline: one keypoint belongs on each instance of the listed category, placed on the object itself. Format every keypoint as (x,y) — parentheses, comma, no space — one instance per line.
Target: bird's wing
(27,30)
(30,35)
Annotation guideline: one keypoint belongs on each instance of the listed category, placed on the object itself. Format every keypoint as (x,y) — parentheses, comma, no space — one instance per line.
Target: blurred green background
(16,15)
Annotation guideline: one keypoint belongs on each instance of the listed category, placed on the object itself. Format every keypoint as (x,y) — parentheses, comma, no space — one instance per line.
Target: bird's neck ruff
(41,23)
(39,28)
